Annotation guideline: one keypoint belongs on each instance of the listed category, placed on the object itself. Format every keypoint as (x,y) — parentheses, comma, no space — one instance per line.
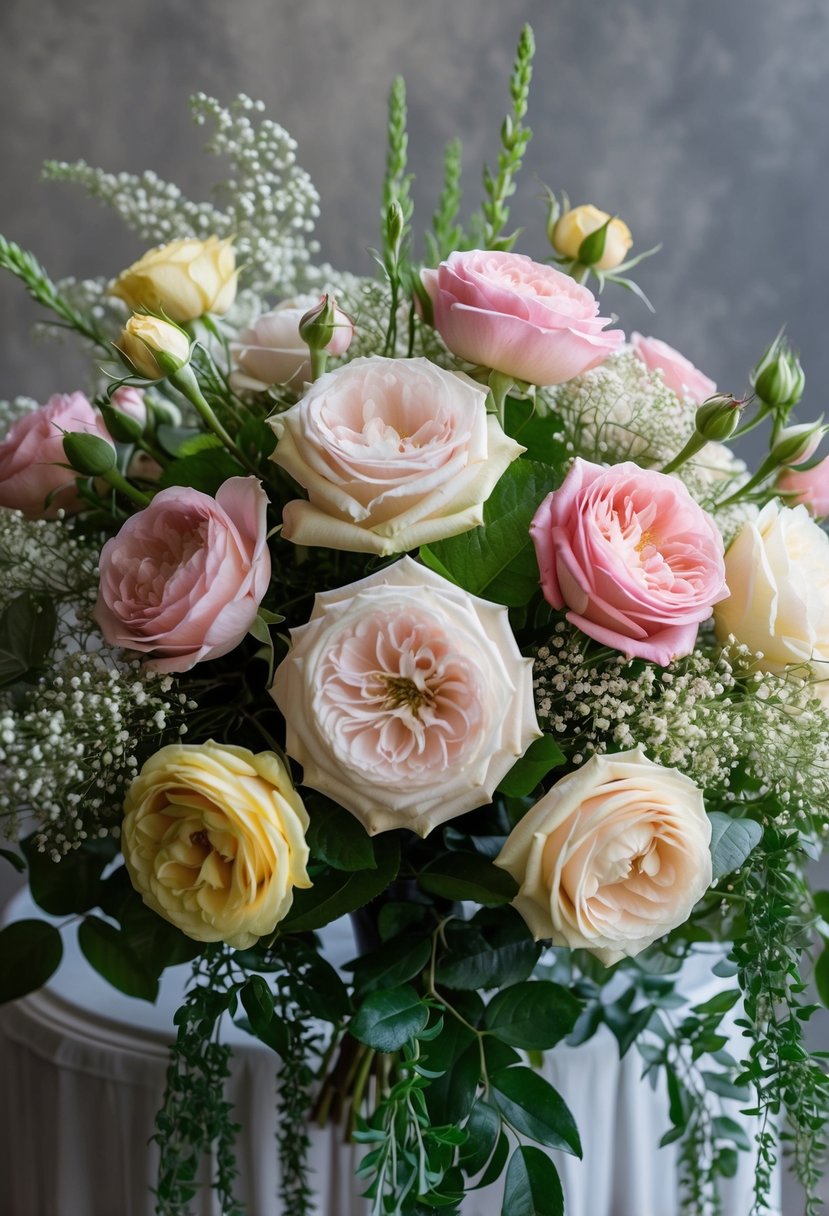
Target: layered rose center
(398,698)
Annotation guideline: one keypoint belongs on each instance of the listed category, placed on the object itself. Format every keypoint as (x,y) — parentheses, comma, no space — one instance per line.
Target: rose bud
(778,378)
(154,348)
(592,237)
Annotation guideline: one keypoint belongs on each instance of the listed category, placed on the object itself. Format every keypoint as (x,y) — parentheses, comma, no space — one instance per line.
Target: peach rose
(183,579)
(270,351)
(214,840)
(614,855)
(636,561)
(679,374)
(406,699)
(522,318)
(34,478)
(394,453)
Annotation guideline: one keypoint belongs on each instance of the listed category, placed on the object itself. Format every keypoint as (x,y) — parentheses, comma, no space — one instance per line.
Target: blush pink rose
(636,561)
(807,486)
(130,401)
(529,321)
(679,373)
(183,578)
(33,476)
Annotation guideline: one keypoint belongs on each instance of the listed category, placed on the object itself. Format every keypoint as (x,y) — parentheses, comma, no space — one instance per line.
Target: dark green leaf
(532,1186)
(30,951)
(534,1109)
(482,1130)
(821,900)
(497,560)
(393,963)
(449,1097)
(204,471)
(719,1084)
(387,1020)
(721,1003)
(533,1015)
(495,948)
(69,886)
(337,892)
(626,1025)
(821,976)
(336,837)
(539,759)
(156,943)
(731,842)
(175,439)
(109,952)
(257,1001)
(14,860)
(496,1163)
(536,432)
(458,876)
(27,630)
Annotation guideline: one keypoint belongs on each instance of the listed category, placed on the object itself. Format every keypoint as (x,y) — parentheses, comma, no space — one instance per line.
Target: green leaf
(107,949)
(449,1097)
(387,1020)
(821,902)
(12,858)
(536,432)
(257,1001)
(337,892)
(337,837)
(66,887)
(721,1003)
(492,950)
(731,842)
(30,952)
(534,1015)
(482,1130)
(459,876)
(496,1163)
(204,471)
(156,943)
(821,976)
(393,963)
(626,1025)
(532,1186)
(539,759)
(27,630)
(730,1129)
(497,560)
(534,1109)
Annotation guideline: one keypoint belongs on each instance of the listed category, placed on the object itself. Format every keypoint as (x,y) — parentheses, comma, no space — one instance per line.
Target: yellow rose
(614,855)
(182,280)
(154,348)
(575,225)
(214,840)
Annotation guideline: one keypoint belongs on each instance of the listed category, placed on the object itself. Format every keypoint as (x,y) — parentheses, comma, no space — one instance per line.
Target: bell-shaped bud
(718,417)
(778,378)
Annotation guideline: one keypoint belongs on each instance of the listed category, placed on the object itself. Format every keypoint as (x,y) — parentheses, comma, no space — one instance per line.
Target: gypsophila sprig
(45,557)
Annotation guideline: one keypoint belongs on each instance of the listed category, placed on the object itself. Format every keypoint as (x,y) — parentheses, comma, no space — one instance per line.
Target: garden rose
(34,478)
(183,579)
(580,222)
(636,561)
(778,572)
(214,840)
(406,699)
(679,374)
(614,855)
(271,351)
(807,486)
(517,316)
(182,280)
(394,453)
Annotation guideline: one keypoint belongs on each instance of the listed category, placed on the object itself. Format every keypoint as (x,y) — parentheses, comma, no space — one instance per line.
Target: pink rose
(529,321)
(638,563)
(33,476)
(679,374)
(183,578)
(807,486)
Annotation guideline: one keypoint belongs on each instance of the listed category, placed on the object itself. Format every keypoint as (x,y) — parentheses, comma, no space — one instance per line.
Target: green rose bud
(89,455)
(778,378)
(718,417)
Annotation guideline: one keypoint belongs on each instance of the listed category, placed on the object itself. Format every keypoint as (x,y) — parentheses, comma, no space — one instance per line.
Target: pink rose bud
(797,444)
(34,478)
(183,579)
(807,486)
(679,374)
(637,563)
(519,317)
(130,401)
(326,327)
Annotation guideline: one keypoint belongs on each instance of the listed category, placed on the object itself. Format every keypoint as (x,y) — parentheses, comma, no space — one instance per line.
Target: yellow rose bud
(575,225)
(152,347)
(214,840)
(182,280)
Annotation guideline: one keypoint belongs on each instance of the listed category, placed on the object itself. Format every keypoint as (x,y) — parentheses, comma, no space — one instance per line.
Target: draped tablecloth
(82,1073)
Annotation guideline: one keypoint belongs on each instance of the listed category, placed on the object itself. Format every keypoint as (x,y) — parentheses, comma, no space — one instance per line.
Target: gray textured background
(702,122)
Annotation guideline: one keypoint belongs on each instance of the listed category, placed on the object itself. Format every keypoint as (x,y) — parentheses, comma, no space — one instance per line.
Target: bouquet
(429,598)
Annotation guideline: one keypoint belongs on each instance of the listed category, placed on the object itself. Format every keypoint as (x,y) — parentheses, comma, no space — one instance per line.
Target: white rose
(612,857)
(270,351)
(406,699)
(777,569)
(394,453)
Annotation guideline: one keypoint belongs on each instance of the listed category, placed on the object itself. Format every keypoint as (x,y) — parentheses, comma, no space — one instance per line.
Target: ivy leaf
(533,1015)
(458,876)
(387,1020)
(532,1186)
(337,837)
(539,759)
(30,952)
(731,842)
(107,949)
(534,1109)
(338,892)
(497,560)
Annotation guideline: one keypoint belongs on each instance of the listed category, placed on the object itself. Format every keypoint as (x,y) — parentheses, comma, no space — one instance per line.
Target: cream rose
(394,453)
(777,569)
(580,222)
(182,280)
(214,840)
(406,699)
(612,857)
(152,347)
